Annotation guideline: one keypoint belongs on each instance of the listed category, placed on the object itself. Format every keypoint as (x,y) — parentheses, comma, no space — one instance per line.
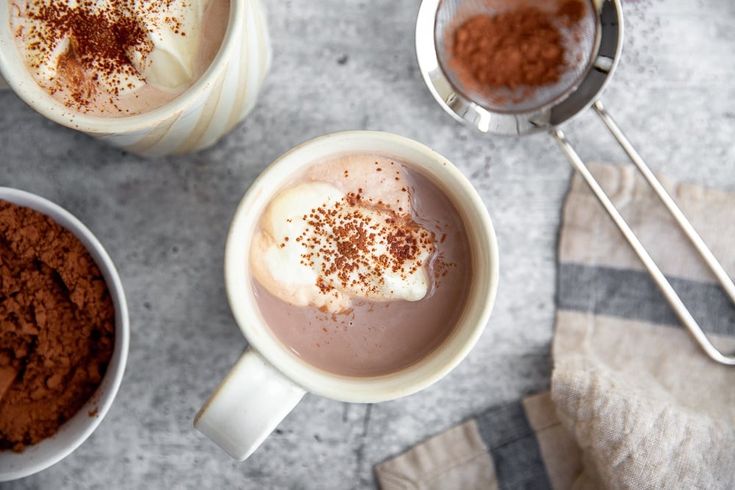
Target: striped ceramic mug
(198,118)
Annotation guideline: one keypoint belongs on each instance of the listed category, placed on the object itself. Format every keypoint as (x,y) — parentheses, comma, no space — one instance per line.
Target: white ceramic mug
(77,429)
(195,120)
(269,380)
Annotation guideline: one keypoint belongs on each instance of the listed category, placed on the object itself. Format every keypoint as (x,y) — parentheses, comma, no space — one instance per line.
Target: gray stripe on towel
(513,447)
(633,295)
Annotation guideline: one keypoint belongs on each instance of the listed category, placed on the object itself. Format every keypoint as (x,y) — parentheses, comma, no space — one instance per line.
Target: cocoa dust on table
(520,48)
(56,326)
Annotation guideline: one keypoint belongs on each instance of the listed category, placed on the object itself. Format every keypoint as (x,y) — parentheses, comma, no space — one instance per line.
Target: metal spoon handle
(663,284)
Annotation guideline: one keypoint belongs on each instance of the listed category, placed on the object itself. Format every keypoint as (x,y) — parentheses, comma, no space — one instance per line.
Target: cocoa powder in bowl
(57,330)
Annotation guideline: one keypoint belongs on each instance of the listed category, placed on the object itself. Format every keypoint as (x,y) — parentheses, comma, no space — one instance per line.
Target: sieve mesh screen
(577,39)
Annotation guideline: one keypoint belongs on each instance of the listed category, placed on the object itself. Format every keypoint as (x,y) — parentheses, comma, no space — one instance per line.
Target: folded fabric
(635,402)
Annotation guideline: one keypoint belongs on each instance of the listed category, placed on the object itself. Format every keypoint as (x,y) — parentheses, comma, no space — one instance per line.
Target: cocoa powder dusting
(56,326)
(358,235)
(521,48)
(102,38)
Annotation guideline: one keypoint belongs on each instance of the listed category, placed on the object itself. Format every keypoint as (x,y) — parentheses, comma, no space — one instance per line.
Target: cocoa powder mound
(521,48)
(56,326)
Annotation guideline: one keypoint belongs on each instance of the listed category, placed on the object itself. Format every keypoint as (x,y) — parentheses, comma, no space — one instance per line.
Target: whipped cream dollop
(171,63)
(91,47)
(321,246)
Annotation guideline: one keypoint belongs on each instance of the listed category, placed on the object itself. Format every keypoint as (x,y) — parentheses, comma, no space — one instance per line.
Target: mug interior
(19,78)
(77,429)
(479,301)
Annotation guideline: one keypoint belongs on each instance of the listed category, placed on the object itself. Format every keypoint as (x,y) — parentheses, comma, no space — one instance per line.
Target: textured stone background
(348,64)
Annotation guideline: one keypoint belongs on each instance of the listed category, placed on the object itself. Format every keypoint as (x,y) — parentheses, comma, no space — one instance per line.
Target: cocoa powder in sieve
(521,48)
(56,326)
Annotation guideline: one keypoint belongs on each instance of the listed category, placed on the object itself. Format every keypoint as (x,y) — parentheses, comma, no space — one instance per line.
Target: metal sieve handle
(663,284)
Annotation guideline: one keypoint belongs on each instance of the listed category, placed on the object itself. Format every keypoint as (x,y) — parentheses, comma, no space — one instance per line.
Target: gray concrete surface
(348,64)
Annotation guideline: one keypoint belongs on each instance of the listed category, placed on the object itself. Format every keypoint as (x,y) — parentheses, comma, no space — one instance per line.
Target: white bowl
(76,430)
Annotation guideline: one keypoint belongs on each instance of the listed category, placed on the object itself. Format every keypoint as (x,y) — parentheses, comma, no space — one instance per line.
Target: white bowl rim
(116,369)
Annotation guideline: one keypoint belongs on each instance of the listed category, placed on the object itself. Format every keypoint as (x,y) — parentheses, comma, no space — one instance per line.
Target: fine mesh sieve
(578,41)
(592,56)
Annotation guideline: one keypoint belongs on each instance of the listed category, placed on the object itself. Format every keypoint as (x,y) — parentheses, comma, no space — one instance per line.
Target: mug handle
(247,406)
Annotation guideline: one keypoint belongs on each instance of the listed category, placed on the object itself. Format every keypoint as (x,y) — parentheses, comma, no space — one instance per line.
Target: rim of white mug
(247,315)
(20,80)
(99,401)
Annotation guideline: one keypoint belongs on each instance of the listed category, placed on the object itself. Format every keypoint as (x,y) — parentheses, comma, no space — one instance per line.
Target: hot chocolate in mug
(269,379)
(222,97)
